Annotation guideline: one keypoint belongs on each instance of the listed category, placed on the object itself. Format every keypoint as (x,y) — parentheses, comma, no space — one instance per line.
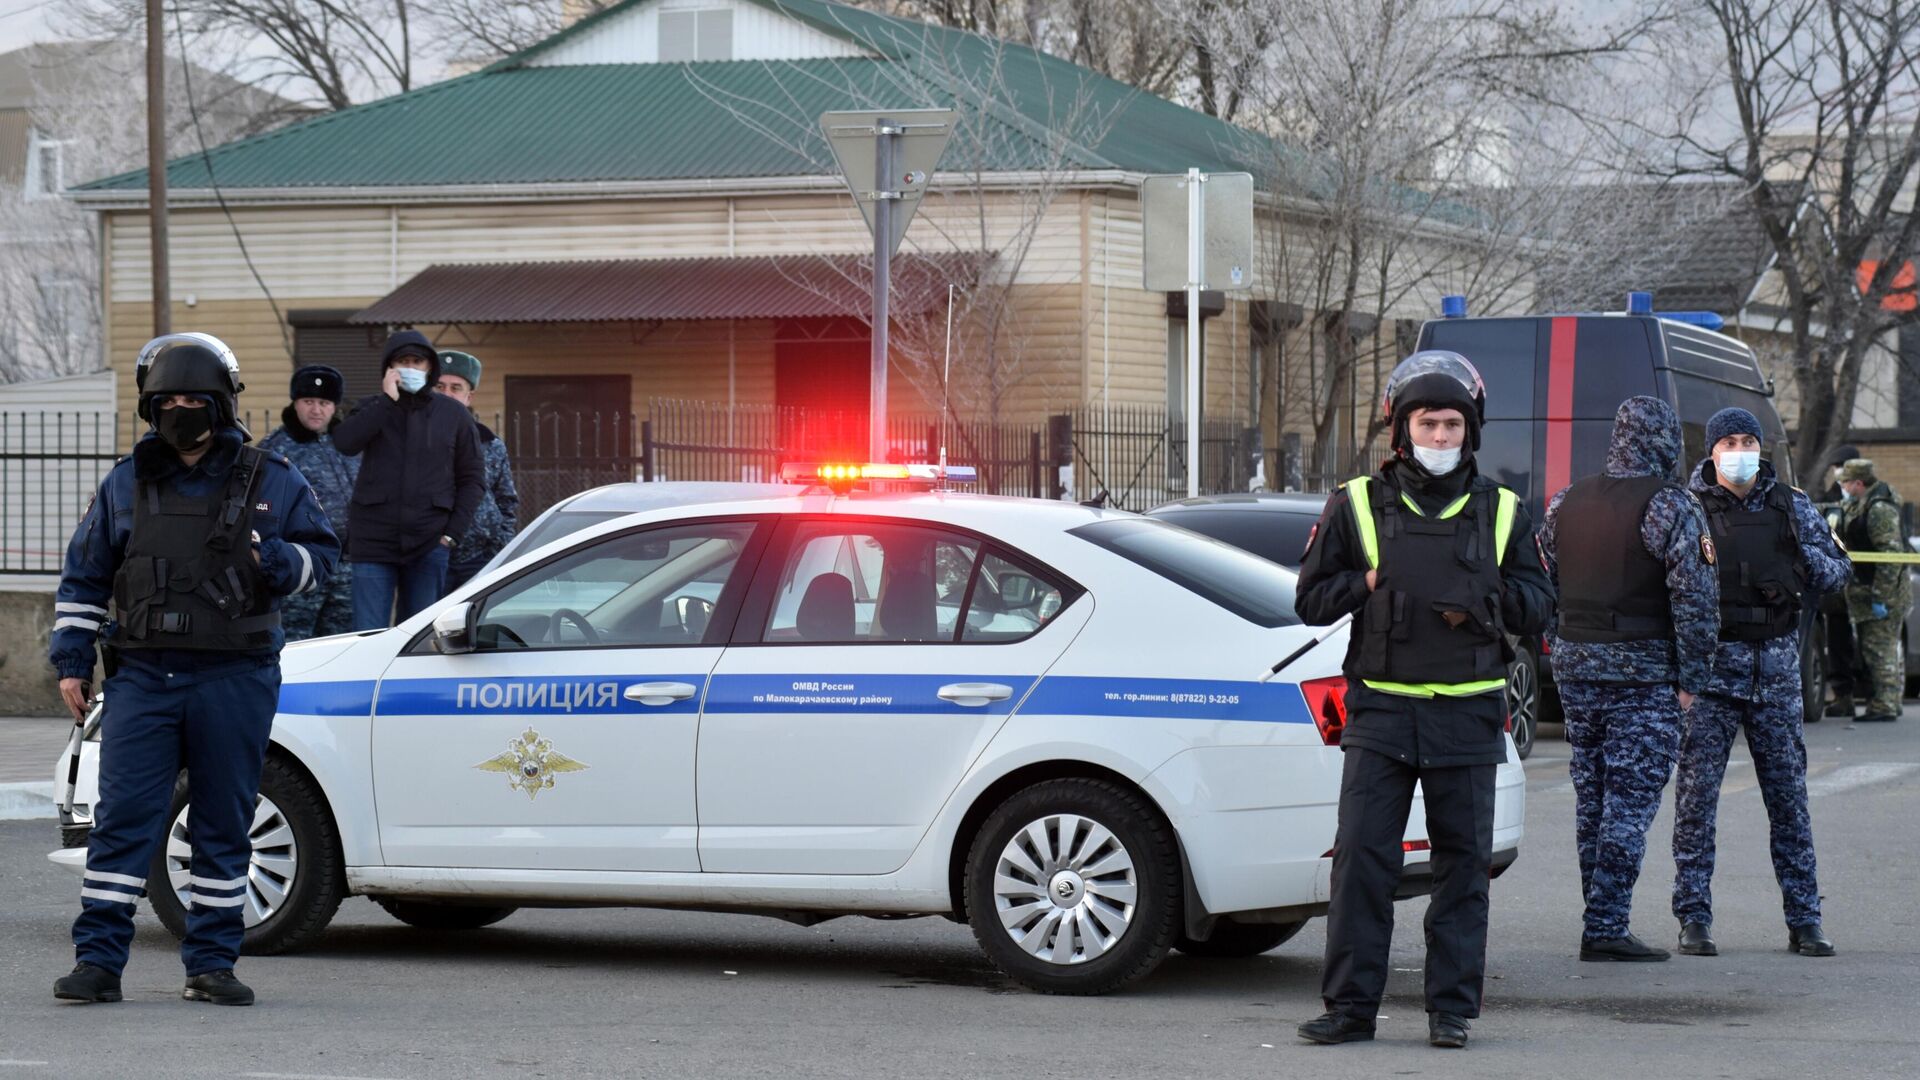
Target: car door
(565,739)
(873,662)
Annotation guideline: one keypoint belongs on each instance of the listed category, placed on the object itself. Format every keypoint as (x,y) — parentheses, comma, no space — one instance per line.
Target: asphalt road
(643,993)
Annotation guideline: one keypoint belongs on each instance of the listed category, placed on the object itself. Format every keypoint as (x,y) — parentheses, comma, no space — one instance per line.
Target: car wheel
(428,915)
(295,879)
(1523,701)
(1073,886)
(1234,940)
(1813,673)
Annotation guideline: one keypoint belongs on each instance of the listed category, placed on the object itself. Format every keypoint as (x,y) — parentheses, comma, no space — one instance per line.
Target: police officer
(1437,565)
(1773,550)
(497,517)
(305,438)
(194,538)
(1881,593)
(1639,616)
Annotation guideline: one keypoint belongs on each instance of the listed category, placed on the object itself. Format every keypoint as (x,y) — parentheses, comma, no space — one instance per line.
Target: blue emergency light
(1453,307)
(1639,303)
(1706,320)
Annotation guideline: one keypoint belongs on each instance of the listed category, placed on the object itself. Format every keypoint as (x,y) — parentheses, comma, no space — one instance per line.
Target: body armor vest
(1611,588)
(188,579)
(1761,574)
(1433,617)
(1858,537)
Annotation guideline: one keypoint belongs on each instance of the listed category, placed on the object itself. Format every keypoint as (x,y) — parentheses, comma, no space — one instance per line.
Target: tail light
(1327,701)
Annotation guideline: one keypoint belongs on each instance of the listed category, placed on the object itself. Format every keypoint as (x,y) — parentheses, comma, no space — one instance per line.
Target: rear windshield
(1273,535)
(1700,398)
(1258,591)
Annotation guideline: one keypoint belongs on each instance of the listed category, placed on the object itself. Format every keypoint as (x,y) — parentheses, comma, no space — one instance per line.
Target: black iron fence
(1127,457)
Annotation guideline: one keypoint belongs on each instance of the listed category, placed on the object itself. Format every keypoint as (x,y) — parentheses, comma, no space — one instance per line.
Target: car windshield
(559,524)
(1258,591)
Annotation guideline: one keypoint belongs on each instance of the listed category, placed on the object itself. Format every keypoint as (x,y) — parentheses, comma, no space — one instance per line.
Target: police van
(1055,723)
(1555,381)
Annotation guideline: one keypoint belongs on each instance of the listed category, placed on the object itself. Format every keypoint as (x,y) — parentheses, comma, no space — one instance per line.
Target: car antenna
(1339,624)
(946,375)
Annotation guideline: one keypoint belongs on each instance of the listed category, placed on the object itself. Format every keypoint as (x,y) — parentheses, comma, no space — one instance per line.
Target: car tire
(296,858)
(1523,701)
(1024,884)
(1813,672)
(429,915)
(1235,940)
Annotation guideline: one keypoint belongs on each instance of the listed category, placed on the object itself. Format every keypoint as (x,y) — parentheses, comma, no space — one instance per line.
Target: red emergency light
(841,477)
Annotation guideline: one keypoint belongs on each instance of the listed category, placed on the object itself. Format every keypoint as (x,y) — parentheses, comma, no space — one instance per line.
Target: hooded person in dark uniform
(1437,565)
(1638,628)
(420,481)
(305,437)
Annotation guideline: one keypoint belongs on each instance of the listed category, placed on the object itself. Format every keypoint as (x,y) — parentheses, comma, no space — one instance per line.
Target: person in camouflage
(1770,570)
(1639,615)
(498,516)
(1881,593)
(305,437)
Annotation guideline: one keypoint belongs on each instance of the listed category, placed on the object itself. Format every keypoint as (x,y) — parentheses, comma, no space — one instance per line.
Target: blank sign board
(1227,261)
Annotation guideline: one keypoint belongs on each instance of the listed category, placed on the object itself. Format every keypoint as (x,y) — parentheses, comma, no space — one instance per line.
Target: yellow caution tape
(1884,556)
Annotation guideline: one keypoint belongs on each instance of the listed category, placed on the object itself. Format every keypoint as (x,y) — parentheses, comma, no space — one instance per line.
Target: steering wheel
(563,615)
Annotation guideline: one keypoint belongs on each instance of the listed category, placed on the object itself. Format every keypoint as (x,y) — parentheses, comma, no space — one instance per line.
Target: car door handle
(659,693)
(974,694)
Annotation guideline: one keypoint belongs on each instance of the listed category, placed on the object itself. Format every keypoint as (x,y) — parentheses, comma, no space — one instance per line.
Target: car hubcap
(270,870)
(1065,889)
(1522,698)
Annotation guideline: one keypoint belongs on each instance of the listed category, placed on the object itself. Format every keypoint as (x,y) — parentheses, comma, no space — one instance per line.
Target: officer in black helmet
(193,539)
(1437,565)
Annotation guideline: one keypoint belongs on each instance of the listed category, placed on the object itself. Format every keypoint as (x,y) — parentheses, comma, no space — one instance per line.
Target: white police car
(1039,718)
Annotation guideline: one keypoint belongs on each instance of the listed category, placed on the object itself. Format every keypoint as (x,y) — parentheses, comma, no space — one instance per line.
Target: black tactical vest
(1762,576)
(1611,589)
(1858,537)
(188,579)
(1433,616)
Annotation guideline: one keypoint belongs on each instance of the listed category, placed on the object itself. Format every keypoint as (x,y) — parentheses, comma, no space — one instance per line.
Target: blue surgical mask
(412,380)
(1739,466)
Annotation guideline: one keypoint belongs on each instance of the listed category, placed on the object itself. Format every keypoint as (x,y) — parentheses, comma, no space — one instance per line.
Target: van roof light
(1639,303)
(1453,307)
(1706,320)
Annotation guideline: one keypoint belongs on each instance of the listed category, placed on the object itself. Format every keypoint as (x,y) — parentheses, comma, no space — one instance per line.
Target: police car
(1042,719)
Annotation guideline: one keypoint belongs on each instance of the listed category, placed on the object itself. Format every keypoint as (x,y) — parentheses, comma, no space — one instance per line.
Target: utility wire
(206,157)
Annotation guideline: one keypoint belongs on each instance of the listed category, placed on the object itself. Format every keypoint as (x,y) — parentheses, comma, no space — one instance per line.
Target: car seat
(906,610)
(826,609)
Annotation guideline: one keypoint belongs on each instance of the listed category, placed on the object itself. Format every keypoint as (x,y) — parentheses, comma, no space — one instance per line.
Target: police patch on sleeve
(1706,549)
(1311,533)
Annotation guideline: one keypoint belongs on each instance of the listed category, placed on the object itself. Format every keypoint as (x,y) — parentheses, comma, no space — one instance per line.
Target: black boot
(219,987)
(1444,1029)
(1878,718)
(1332,1027)
(1696,939)
(1841,705)
(1627,949)
(1809,940)
(87,983)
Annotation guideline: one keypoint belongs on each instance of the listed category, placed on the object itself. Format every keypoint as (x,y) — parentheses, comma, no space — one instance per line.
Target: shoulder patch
(1312,534)
(1706,549)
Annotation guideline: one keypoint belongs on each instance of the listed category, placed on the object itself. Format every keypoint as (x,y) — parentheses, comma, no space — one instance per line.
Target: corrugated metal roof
(509,124)
(641,290)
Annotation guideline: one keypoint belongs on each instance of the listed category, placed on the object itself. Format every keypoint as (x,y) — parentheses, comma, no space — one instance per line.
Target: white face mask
(1739,466)
(412,379)
(1437,462)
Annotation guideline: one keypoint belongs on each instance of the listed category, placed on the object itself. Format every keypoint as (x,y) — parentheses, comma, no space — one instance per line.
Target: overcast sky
(23,22)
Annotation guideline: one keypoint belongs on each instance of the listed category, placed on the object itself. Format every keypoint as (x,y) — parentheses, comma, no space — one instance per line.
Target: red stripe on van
(1560,407)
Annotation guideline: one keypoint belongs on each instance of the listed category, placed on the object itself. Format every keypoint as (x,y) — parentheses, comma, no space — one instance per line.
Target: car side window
(1010,602)
(657,587)
(867,582)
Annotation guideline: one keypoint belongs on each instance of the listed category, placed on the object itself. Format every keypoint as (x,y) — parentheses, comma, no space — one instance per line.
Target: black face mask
(183,428)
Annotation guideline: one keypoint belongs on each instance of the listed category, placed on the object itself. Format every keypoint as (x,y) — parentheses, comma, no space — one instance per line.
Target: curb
(27,801)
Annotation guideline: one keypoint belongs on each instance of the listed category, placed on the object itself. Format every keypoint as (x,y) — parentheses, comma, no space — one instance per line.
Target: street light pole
(1196,270)
(885,132)
(157,164)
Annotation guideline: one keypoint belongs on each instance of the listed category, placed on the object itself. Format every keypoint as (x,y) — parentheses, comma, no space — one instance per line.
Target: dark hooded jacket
(1646,442)
(1429,732)
(421,475)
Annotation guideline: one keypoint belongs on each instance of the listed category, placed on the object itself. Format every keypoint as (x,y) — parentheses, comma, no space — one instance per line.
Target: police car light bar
(842,476)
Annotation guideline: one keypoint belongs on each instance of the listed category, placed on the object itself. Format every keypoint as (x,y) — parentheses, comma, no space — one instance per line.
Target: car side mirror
(453,628)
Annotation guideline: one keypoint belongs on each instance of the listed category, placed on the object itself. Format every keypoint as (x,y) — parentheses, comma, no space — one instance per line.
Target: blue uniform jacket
(297,546)
(1770,670)
(1646,442)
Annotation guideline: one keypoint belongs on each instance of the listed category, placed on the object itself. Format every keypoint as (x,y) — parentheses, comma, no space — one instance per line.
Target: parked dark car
(1275,526)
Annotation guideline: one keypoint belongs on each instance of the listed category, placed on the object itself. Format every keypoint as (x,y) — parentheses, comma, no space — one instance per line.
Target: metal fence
(50,465)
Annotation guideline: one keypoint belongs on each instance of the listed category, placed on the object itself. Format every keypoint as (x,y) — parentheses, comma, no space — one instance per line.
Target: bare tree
(1813,107)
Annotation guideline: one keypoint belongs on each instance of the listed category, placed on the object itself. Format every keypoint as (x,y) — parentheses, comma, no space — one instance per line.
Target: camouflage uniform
(495,520)
(327,610)
(1756,686)
(1879,639)
(1622,716)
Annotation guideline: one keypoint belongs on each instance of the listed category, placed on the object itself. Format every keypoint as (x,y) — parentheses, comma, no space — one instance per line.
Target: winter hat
(1732,420)
(1841,455)
(465,365)
(317,381)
